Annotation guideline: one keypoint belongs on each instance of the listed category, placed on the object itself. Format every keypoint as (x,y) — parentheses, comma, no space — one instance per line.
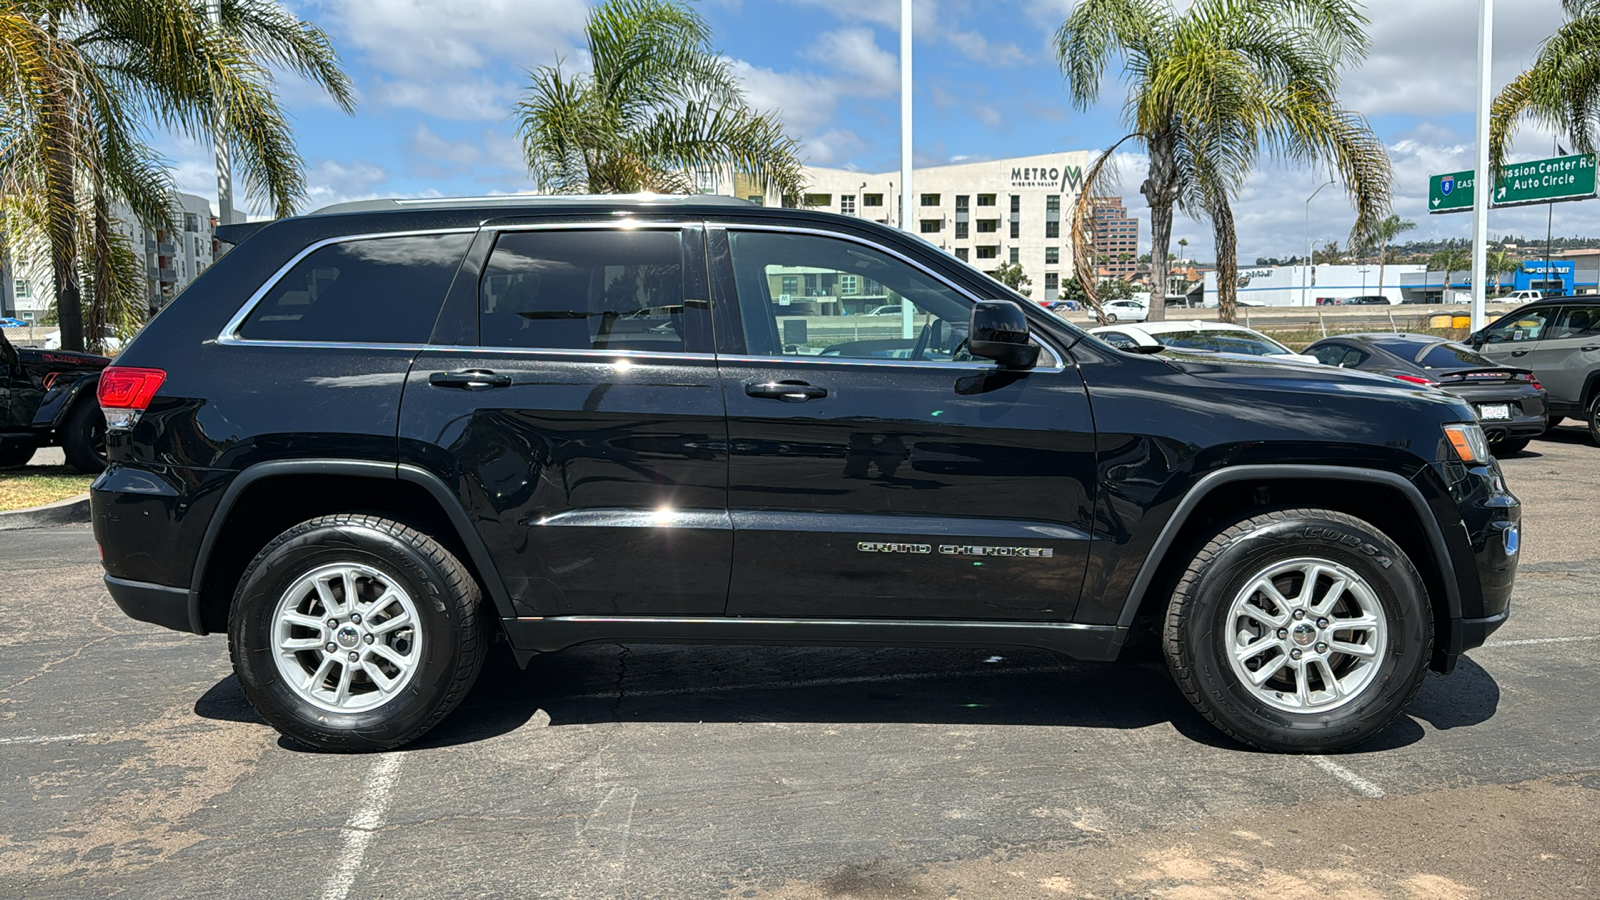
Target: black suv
(1559,339)
(369,442)
(48,397)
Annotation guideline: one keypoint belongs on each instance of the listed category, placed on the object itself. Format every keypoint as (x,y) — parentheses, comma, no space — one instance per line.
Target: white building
(171,261)
(1304,285)
(988,213)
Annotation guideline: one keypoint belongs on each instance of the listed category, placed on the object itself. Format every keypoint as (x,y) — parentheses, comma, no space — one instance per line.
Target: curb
(71,511)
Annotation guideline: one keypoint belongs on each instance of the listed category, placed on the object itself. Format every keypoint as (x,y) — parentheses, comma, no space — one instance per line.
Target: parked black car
(1510,401)
(1559,340)
(368,442)
(47,397)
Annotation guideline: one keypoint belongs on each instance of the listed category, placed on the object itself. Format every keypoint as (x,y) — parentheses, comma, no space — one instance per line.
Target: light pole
(1305,277)
(1481,186)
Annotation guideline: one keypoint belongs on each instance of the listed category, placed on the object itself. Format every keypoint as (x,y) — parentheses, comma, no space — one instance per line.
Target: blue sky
(437,80)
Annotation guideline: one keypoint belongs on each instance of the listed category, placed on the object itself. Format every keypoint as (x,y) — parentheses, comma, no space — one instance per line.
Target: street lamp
(1305,280)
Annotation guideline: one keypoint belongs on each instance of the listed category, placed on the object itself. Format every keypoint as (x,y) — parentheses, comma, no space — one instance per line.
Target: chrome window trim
(1058,358)
(587,355)
(230,331)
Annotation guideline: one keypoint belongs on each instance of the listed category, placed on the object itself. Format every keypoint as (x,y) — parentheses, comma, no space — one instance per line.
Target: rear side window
(385,290)
(1452,356)
(597,289)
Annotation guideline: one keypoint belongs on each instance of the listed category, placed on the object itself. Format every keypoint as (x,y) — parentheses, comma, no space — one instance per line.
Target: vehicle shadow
(1571,432)
(611,683)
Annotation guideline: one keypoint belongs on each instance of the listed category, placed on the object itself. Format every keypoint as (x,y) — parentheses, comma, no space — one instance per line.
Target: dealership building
(987,213)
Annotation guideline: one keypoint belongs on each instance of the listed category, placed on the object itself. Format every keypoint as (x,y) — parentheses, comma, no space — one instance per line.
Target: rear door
(574,407)
(877,469)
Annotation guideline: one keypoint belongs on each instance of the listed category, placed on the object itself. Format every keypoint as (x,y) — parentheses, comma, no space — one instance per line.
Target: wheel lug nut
(1294,654)
(369,638)
(1299,614)
(354,656)
(1322,622)
(356,618)
(333,623)
(1283,633)
(1321,647)
(332,647)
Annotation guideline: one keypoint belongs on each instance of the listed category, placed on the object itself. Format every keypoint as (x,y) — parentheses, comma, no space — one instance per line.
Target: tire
(83,437)
(1509,446)
(1111,318)
(1553,421)
(1206,624)
(1592,419)
(429,661)
(16,454)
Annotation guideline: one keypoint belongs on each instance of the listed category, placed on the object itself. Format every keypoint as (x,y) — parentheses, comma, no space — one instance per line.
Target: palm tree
(1449,260)
(1215,85)
(1383,234)
(1500,263)
(1561,90)
(658,107)
(1183,249)
(81,80)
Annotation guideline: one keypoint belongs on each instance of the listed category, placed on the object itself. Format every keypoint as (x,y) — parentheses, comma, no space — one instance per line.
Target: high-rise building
(1116,238)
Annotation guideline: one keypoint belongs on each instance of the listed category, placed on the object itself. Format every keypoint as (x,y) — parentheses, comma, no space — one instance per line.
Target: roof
(528,200)
(1170,325)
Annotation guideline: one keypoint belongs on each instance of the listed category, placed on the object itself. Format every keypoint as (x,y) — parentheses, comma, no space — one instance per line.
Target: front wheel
(1593,419)
(353,632)
(1111,318)
(1300,630)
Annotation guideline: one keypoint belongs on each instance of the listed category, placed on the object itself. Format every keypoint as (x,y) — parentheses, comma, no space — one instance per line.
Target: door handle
(1590,349)
(787,391)
(1519,353)
(469,380)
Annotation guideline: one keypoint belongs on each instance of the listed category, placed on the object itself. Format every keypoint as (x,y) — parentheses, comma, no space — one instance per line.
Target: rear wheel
(353,632)
(83,437)
(15,454)
(1300,630)
(1593,419)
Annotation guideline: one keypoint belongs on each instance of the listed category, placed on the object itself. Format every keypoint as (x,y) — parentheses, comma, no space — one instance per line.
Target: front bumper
(157,604)
(1486,562)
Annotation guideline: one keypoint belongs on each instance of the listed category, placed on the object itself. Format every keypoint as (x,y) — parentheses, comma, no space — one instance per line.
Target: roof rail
(524,200)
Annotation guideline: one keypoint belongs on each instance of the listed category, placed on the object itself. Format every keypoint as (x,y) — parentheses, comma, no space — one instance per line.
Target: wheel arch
(60,400)
(265,499)
(1368,494)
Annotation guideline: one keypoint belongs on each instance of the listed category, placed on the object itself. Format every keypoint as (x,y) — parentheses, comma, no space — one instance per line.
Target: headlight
(1468,442)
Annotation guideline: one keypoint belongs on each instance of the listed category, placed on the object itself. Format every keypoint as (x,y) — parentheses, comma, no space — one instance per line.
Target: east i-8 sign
(1539,181)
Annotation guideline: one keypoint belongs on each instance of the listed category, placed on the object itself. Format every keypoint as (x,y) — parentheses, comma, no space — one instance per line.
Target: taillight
(125,393)
(1417,379)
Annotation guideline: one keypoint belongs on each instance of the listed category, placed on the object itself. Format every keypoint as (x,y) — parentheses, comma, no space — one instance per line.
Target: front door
(877,469)
(1569,351)
(1511,340)
(585,431)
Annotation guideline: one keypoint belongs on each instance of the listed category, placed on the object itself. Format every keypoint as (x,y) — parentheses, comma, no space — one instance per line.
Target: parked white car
(1214,337)
(1125,311)
(1523,296)
(52,341)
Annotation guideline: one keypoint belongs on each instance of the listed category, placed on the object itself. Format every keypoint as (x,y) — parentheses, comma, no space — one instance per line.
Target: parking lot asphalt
(130,765)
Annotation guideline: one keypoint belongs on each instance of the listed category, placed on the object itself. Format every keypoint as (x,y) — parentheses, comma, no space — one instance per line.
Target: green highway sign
(1450,193)
(1545,181)
(1539,181)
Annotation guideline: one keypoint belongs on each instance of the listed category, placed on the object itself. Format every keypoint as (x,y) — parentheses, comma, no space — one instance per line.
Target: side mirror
(998,330)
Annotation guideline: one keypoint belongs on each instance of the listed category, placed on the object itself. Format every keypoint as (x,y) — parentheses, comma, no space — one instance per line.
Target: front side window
(599,289)
(859,318)
(1526,325)
(375,291)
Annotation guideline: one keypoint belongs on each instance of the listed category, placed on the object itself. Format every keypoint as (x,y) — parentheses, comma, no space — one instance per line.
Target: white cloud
(330,182)
(868,69)
(466,97)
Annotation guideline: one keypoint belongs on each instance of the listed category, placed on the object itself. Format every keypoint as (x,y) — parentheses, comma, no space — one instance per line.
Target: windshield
(1223,342)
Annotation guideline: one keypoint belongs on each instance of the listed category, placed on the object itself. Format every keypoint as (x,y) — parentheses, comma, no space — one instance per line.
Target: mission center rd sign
(1538,181)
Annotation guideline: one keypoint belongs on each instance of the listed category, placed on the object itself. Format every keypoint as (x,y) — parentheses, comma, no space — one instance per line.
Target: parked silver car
(1559,340)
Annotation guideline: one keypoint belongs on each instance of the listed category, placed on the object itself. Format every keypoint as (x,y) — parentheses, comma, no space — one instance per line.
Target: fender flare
(1169,533)
(59,400)
(493,584)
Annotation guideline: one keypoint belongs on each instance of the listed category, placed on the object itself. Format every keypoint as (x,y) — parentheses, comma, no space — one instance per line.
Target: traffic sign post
(1550,180)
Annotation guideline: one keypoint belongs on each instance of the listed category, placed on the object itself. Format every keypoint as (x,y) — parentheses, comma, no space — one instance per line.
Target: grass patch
(37,485)
(1298,338)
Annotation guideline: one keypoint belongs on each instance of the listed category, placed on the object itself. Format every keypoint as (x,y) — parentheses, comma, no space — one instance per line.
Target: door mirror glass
(999,331)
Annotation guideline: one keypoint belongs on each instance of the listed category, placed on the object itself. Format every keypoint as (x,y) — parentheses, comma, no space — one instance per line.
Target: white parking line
(363,822)
(45,738)
(1551,640)
(1358,784)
